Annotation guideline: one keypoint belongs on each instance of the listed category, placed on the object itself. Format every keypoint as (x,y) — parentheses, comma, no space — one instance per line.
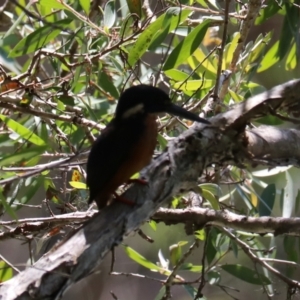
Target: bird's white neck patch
(133,110)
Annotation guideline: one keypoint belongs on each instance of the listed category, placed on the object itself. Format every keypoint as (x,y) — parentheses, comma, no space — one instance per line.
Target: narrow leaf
(187,46)
(6,272)
(39,38)
(211,198)
(22,131)
(267,200)
(290,193)
(6,206)
(246,274)
(55,4)
(85,4)
(175,254)
(193,85)
(78,185)
(191,267)
(214,277)
(141,259)
(269,59)
(291,61)
(172,17)
(109,14)
(22,156)
(267,12)
(135,7)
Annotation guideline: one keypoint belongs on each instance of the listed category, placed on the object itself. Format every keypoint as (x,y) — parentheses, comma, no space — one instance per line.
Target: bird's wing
(108,153)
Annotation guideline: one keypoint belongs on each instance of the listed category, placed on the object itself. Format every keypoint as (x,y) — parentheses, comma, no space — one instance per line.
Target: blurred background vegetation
(63,65)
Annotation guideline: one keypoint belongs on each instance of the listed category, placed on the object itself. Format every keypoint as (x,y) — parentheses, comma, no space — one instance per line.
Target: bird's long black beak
(183,113)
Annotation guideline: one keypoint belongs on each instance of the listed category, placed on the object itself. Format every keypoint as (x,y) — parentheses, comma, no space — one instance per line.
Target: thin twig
(172,276)
(261,262)
(9,264)
(221,51)
(202,279)
(71,217)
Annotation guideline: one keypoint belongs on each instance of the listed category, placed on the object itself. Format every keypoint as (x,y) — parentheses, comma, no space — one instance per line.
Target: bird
(128,142)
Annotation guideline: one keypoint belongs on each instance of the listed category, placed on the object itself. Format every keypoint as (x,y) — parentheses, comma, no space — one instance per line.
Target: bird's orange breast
(139,156)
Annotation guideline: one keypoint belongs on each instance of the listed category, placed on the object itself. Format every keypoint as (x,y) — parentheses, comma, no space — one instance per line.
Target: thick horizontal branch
(205,216)
(274,146)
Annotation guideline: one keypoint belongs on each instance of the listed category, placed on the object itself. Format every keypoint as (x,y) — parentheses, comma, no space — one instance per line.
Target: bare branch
(201,217)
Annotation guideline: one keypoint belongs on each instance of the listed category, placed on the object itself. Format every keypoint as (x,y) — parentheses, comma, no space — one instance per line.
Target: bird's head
(145,99)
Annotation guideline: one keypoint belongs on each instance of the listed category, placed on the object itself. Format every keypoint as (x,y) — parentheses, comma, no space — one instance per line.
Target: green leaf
(213,200)
(291,250)
(230,48)
(291,61)
(22,14)
(192,291)
(176,252)
(290,193)
(109,14)
(22,156)
(161,293)
(176,75)
(169,23)
(269,59)
(234,248)
(267,200)
(33,186)
(67,100)
(289,31)
(78,185)
(152,224)
(267,172)
(200,234)
(107,84)
(297,200)
(207,63)
(211,249)
(6,206)
(190,267)
(39,38)
(193,85)
(259,45)
(135,7)
(212,187)
(85,4)
(246,274)
(269,120)
(187,46)
(52,3)
(162,141)
(22,131)
(6,272)
(267,12)
(141,259)
(213,277)
(172,17)
(289,244)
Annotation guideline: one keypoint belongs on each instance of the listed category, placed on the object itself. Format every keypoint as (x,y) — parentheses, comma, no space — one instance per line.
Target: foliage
(63,67)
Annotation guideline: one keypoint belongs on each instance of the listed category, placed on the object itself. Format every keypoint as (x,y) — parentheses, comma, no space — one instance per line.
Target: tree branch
(201,217)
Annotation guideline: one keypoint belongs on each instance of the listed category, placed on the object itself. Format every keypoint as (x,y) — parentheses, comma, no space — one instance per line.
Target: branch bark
(176,170)
(205,216)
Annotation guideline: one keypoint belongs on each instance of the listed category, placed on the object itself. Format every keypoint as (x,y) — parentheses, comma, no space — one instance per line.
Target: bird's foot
(137,180)
(124,200)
